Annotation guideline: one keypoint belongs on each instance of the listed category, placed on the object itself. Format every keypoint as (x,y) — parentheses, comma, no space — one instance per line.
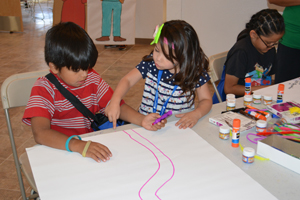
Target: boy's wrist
(76,145)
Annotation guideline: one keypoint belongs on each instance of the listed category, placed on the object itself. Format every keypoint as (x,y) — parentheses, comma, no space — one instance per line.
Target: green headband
(156,34)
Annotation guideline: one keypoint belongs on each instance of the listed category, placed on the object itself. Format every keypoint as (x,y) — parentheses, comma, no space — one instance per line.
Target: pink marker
(164,116)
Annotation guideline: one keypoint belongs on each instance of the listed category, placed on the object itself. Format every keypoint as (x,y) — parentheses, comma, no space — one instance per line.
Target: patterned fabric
(46,101)
(177,103)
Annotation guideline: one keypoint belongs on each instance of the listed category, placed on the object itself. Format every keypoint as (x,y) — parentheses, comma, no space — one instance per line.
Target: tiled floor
(23,52)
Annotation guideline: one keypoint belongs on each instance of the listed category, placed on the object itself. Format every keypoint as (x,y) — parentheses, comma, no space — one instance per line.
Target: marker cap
(281,87)
(235,145)
(248,80)
(236,123)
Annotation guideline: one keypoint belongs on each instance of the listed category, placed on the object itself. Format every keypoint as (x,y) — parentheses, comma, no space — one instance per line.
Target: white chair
(15,92)
(216,63)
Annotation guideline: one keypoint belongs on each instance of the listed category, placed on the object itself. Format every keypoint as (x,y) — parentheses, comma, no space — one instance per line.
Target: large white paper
(168,164)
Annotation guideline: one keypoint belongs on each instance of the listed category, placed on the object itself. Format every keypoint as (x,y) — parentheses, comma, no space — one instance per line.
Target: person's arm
(205,103)
(43,134)
(112,111)
(285,3)
(231,86)
(132,116)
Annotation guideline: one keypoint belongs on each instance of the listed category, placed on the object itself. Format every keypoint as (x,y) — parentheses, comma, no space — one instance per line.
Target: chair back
(15,92)
(16,89)
(216,63)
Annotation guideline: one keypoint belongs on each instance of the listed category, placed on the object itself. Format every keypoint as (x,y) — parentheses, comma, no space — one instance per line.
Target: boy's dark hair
(68,45)
(265,23)
(187,52)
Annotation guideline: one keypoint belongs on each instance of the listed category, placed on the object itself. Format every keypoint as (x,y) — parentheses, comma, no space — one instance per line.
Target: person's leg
(117,22)
(288,64)
(25,4)
(106,21)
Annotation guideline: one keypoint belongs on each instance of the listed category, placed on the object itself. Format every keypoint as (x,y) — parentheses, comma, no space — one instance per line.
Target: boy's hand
(98,152)
(112,111)
(188,120)
(149,120)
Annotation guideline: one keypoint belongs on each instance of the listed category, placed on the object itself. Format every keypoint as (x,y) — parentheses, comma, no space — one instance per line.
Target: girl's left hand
(188,120)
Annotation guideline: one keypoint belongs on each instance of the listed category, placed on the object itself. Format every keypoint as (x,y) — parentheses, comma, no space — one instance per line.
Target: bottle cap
(281,87)
(249,152)
(261,123)
(248,80)
(248,97)
(267,97)
(235,145)
(257,96)
(230,96)
(224,129)
(230,103)
(236,123)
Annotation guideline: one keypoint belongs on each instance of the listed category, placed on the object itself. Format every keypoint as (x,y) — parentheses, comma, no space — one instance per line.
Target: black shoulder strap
(68,95)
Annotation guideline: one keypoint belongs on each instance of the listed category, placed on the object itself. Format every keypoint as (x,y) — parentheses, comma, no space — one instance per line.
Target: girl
(175,72)
(254,55)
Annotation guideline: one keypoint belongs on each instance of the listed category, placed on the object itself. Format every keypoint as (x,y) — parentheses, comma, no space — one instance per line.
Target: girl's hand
(149,120)
(98,152)
(188,120)
(112,111)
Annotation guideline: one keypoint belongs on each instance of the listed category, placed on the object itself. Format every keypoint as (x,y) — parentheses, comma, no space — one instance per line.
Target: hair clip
(156,34)
(166,42)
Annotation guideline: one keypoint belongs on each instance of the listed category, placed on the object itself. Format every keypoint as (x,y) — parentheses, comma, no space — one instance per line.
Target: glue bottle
(235,133)
(280,93)
(248,86)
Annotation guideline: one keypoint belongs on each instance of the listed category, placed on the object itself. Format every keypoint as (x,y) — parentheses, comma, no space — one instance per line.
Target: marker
(257,115)
(164,116)
(248,115)
(260,111)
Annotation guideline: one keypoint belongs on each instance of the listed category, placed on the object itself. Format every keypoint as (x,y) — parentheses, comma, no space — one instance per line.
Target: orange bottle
(247,86)
(235,133)
(280,93)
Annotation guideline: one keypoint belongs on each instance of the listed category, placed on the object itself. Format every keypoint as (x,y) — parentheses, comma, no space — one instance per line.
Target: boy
(71,55)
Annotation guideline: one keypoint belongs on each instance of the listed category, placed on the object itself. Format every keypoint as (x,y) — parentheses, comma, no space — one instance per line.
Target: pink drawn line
(157,161)
(165,156)
(154,156)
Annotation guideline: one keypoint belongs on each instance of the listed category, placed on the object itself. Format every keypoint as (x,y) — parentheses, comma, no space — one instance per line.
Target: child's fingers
(114,124)
(113,119)
(99,152)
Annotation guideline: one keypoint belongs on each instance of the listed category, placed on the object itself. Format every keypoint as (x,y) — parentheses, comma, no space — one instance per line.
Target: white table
(279,181)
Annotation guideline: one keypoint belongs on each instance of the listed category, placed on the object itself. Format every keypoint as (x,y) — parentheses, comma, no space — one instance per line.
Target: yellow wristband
(86,148)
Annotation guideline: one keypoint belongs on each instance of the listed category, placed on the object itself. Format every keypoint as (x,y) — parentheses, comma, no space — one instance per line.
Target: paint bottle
(248,155)
(235,133)
(261,126)
(230,105)
(247,86)
(230,96)
(224,132)
(280,93)
(247,100)
(257,98)
(267,99)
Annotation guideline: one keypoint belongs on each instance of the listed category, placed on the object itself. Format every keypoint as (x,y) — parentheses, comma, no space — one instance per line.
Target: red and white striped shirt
(46,101)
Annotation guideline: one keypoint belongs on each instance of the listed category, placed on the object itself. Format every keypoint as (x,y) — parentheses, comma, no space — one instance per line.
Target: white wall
(217,22)
(149,13)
